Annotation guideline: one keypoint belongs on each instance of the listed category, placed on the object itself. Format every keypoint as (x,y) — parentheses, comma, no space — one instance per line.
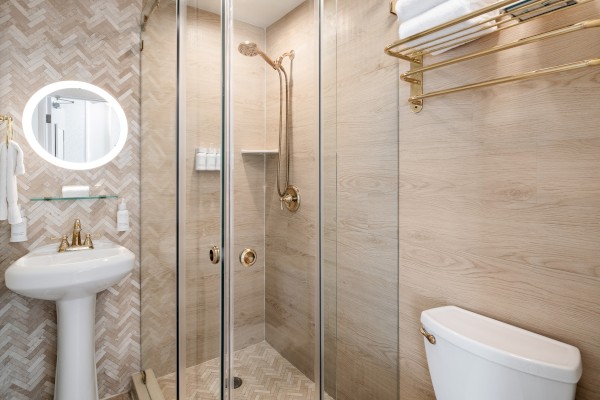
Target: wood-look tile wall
(500,198)
(362,113)
(291,237)
(45,42)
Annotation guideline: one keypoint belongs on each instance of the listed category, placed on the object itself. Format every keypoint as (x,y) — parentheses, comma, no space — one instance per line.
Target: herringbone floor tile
(266,375)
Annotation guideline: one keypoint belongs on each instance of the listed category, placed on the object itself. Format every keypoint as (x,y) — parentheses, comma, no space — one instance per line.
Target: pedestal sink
(72,279)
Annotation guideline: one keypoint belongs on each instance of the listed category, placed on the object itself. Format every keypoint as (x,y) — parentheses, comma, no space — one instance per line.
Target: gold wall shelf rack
(443,36)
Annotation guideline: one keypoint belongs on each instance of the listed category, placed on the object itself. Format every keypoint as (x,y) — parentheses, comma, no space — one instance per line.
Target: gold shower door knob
(214,254)
(248,257)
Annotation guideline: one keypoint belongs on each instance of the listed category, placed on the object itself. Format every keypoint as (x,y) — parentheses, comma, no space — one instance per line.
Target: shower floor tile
(266,375)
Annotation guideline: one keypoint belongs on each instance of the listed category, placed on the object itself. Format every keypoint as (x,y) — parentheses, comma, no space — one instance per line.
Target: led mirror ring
(38,96)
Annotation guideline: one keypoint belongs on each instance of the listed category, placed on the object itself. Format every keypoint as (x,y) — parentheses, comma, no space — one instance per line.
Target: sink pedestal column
(76,358)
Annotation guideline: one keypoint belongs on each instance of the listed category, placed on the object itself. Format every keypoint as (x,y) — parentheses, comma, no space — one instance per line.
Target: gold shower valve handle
(248,257)
(291,198)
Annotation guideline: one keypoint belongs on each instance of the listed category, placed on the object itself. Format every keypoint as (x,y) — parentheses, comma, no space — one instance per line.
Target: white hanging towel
(442,13)
(408,9)
(11,166)
(3,168)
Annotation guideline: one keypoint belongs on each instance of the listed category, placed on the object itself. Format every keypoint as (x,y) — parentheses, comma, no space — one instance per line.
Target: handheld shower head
(251,49)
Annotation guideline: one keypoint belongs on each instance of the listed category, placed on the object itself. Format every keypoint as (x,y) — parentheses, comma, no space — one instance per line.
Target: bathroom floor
(266,375)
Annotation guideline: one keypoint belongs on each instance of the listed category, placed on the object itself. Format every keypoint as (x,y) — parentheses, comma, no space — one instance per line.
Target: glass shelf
(262,152)
(51,198)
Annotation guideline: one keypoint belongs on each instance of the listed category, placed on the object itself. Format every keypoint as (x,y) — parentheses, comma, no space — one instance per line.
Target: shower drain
(237,382)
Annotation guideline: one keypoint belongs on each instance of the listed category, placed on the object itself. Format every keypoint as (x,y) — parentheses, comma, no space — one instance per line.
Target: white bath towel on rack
(408,9)
(11,166)
(440,14)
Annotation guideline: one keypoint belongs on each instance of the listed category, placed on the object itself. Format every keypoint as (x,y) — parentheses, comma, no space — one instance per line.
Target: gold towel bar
(527,75)
(595,23)
(516,15)
(453,22)
(504,21)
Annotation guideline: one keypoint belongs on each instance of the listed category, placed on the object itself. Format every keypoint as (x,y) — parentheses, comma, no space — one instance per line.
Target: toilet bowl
(473,357)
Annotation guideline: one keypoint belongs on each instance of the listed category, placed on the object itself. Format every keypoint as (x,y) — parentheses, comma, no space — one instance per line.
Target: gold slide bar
(595,23)
(513,78)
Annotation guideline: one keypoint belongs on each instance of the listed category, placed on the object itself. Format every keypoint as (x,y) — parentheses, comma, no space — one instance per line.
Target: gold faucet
(76,233)
(76,240)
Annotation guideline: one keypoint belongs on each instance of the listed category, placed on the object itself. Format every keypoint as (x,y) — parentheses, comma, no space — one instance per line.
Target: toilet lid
(505,344)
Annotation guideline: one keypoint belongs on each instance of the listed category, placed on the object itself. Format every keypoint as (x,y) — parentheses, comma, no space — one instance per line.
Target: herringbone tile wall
(43,42)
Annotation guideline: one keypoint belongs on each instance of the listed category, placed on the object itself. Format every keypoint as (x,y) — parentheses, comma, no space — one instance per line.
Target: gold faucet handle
(64,244)
(88,241)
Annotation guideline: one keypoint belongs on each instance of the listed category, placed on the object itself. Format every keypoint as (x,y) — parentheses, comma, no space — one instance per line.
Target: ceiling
(261,13)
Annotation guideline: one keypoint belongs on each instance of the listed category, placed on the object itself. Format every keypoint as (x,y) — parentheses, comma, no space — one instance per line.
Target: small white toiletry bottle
(200,158)
(218,160)
(18,232)
(211,158)
(122,217)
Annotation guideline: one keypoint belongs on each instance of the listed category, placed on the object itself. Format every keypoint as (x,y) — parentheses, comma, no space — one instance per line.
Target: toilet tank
(479,358)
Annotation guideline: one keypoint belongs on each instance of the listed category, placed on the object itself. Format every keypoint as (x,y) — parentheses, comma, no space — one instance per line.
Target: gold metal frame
(414,54)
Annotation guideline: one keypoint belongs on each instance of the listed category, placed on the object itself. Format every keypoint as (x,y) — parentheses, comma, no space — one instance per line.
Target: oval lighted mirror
(75,125)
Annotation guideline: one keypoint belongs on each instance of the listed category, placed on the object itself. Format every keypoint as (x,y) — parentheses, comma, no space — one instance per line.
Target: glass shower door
(200,204)
(273,203)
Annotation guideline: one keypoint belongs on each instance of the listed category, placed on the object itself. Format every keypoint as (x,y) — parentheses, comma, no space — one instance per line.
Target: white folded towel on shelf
(442,13)
(11,166)
(408,9)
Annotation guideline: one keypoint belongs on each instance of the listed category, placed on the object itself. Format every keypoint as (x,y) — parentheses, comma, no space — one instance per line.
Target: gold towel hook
(9,128)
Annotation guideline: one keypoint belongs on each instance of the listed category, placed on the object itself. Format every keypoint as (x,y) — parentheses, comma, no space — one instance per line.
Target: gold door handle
(214,254)
(428,336)
(248,257)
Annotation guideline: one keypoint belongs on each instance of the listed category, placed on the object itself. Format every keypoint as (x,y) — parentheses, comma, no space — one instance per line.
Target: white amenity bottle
(201,158)
(122,217)
(211,158)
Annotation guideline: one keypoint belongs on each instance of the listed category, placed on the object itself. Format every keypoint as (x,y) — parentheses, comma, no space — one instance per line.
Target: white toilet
(479,358)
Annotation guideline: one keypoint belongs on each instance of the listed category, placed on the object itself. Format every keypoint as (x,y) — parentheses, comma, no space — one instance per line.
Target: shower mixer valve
(291,198)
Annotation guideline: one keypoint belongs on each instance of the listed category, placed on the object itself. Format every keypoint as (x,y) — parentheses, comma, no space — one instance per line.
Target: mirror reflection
(76,125)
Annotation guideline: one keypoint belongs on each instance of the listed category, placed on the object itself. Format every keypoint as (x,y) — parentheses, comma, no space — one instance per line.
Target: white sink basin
(72,279)
(48,275)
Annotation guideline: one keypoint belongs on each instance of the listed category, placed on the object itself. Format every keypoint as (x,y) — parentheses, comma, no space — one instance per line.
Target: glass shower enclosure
(237,236)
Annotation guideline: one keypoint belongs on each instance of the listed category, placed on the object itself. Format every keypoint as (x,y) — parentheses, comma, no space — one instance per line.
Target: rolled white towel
(408,9)
(445,12)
